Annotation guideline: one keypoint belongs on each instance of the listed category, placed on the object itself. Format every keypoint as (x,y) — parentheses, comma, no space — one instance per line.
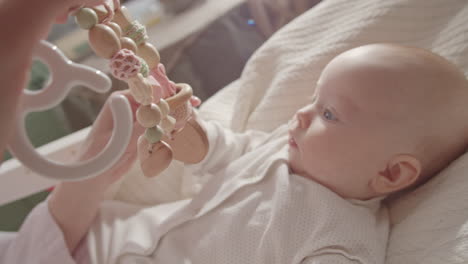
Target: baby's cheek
(318,126)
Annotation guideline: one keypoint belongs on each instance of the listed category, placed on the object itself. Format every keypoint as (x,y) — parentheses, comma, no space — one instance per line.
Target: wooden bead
(141,90)
(154,134)
(164,107)
(148,115)
(192,137)
(117,30)
(150,54)
(128,43)
(104,41)
(154,158)
(122,17)
(86,18)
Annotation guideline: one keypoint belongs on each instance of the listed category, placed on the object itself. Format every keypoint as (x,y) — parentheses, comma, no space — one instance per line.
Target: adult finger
(75,6)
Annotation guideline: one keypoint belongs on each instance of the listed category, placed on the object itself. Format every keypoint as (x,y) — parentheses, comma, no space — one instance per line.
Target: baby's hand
(97,140)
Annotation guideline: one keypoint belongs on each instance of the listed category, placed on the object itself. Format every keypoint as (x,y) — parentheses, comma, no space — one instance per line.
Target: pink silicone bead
(125,64)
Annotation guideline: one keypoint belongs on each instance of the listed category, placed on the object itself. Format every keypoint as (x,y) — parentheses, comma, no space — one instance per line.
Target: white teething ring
(66,74)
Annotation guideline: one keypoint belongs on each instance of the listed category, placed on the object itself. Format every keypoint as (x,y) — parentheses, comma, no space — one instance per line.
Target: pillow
(430,224)
(281,75)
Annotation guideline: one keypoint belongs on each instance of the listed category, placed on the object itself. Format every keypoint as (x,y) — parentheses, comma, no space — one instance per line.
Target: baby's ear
(401,171)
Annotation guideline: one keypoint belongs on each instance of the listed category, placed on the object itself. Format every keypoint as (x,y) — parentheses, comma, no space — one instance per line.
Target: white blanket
(243,215)
(281,77)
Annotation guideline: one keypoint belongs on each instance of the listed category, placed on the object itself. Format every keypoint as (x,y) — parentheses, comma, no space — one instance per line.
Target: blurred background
(204,43)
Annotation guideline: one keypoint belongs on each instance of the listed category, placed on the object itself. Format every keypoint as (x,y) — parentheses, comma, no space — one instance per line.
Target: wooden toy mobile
(165,107)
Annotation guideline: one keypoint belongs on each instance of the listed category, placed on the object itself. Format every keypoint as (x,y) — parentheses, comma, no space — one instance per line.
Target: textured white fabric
(252,210)
(431,224)
(329,258)
(39,241)
(281,76)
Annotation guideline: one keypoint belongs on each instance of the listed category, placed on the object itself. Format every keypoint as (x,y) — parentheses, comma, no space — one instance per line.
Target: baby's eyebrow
(347,106)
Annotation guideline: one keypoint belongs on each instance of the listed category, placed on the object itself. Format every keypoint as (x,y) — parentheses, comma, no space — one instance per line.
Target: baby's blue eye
(327,114)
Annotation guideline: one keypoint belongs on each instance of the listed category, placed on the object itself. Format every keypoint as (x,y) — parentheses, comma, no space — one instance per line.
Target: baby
(383,118)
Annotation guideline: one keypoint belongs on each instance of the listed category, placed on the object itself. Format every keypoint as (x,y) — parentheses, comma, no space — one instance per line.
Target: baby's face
(361,116)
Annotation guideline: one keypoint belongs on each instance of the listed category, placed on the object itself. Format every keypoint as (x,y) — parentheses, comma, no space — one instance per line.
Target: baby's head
(384,117)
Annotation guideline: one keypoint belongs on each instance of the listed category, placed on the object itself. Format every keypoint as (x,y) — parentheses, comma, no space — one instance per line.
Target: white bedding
(430,225)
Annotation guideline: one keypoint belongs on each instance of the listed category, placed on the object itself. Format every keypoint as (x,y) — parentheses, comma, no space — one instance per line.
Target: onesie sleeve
(39,240)
(226,145)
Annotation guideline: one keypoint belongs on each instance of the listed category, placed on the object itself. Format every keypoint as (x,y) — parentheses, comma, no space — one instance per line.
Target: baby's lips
(292,141)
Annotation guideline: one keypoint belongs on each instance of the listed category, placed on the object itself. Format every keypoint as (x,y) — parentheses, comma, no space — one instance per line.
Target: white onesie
(252,210)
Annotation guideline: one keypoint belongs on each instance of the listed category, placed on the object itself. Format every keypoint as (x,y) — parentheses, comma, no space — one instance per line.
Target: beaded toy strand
(165,107)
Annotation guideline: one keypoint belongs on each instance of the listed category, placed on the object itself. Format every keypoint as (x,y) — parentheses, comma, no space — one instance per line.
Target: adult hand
(72,5)
(74,205)
(97,140)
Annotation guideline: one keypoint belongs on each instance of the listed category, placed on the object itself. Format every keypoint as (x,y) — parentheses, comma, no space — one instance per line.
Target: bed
(429,225)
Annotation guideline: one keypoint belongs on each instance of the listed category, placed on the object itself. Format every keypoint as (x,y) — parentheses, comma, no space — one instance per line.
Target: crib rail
(17,181)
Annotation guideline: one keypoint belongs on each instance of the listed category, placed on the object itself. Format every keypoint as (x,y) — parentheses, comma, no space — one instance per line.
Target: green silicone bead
(86,18)
(154,134)
(144,70)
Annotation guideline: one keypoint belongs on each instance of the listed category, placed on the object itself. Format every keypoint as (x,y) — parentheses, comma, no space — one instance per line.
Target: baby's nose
(303,118)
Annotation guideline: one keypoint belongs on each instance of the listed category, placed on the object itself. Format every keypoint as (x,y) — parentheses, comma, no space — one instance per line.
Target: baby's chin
(294,168)
(291,168)
(295,165)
